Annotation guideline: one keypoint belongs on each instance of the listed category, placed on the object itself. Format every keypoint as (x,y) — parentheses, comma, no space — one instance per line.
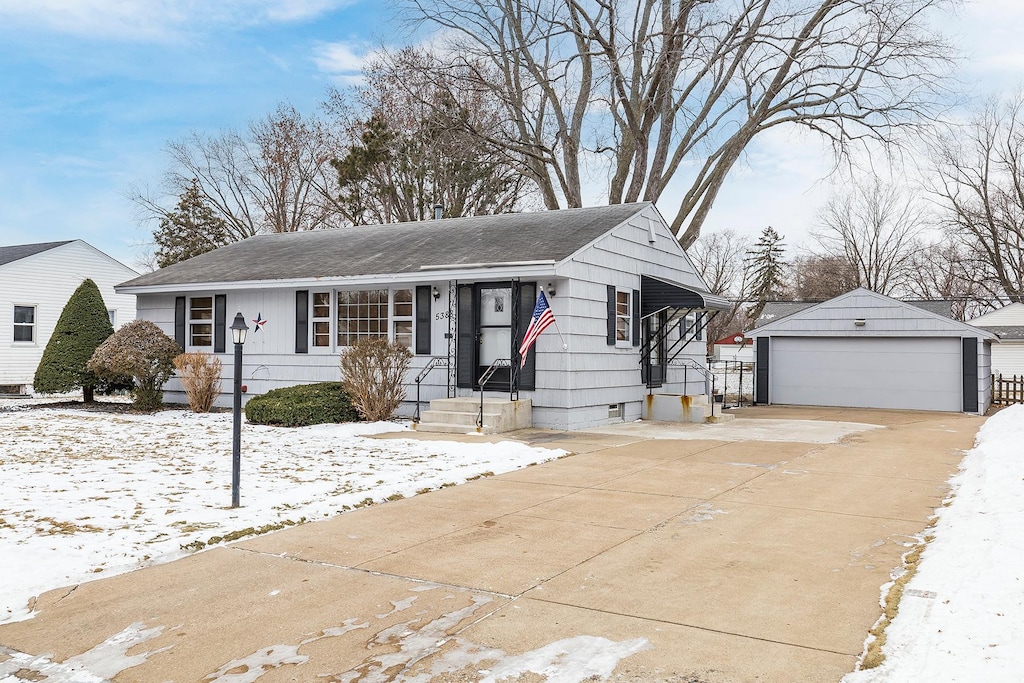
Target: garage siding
(869,372)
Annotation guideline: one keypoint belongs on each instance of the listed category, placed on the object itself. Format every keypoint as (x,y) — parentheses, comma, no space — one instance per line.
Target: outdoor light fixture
(238,330)
(551,289)
(435,292)
(860,322)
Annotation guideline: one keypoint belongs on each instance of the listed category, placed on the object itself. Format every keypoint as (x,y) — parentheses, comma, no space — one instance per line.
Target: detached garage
(866,350)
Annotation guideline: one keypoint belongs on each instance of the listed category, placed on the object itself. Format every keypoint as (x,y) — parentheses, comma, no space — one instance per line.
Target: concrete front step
(459,415)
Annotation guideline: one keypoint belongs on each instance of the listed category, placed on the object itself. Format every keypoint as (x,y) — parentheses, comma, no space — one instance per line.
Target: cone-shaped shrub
(83,325)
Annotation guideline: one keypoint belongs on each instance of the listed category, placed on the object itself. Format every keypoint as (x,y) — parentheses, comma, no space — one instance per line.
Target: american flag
(542,318)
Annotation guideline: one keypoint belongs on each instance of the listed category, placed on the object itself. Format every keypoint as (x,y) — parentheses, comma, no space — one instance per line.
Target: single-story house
(1007,323)
(628,304)
(735,347)
(36,281)
(866,350)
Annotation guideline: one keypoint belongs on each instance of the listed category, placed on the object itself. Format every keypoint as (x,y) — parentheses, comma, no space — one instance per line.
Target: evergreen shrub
(302,405)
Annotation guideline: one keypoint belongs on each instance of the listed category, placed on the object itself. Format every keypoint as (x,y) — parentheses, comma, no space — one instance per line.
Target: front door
(494,314)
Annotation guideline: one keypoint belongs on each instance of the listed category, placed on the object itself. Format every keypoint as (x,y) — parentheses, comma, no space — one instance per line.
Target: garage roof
(881,316)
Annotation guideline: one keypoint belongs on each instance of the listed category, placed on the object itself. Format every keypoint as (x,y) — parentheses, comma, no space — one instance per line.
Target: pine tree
(191,229)
(83,325)
(766,270)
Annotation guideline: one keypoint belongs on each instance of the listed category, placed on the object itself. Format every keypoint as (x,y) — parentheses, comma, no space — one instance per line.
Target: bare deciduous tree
(941,271)
(817,278)
(980,184)
(874,227)
(409,146)
(274,177)
(656,84)
(718,257)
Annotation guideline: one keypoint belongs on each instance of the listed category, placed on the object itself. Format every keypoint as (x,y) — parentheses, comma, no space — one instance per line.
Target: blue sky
(91,90)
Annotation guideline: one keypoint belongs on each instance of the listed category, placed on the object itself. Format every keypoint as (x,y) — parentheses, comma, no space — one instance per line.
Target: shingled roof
(398,247)
(20,251)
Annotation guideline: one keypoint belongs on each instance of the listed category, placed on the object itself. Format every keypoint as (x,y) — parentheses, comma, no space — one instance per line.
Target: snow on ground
(86,495)
(961,618)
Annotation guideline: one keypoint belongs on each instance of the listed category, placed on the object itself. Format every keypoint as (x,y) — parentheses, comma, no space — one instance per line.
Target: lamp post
(238,330)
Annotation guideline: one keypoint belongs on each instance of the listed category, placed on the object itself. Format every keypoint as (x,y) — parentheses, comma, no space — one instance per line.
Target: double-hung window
(401,317)
(321,319)
(623,319)
(200,321)
(25,324)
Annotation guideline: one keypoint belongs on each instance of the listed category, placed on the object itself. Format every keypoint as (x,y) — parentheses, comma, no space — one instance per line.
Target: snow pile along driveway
(87,494)
(962,615)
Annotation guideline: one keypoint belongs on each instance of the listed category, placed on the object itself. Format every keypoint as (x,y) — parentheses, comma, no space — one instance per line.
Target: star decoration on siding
(259,321)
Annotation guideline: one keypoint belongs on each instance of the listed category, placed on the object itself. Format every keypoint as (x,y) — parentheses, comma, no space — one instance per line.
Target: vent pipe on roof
(438,211)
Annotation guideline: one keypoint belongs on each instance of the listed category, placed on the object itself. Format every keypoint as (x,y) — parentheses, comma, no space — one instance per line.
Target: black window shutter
(761,371)
(220,312)
(302,321)
(423,320)
(611,315)
(970,360)
(527,302)
(465,362)
(179,321)
(636,317)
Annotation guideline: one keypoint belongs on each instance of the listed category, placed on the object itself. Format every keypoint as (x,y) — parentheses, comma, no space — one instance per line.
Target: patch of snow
(88,495)
(961,618)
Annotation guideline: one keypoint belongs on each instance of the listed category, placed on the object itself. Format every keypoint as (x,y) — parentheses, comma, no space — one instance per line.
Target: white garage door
(867,372)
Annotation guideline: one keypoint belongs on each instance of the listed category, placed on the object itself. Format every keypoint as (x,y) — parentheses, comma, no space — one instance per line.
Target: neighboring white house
(629,307)
(36,281)
(1007,323)
(863,349)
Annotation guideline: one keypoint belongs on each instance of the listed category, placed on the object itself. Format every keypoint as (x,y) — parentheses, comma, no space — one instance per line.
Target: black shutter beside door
(465,361)
(527,302)
(636,317)
(423,317)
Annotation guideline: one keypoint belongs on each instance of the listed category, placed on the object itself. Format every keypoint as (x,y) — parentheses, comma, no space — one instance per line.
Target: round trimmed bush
(302,405)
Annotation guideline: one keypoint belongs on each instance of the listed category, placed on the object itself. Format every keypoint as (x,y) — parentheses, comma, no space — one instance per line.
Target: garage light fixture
(860,322)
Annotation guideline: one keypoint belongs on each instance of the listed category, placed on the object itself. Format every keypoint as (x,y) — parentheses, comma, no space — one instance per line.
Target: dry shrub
(373,372)
(200,375)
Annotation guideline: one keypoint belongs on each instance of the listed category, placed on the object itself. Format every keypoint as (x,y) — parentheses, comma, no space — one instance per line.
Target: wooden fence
(1007,390)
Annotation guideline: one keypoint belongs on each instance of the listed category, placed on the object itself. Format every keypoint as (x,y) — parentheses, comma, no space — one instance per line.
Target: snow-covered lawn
(87,494)
(962,615)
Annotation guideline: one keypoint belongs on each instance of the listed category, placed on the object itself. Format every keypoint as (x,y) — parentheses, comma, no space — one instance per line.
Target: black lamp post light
(238,330)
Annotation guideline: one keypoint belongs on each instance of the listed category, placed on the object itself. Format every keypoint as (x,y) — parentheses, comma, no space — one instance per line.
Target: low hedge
(302,405)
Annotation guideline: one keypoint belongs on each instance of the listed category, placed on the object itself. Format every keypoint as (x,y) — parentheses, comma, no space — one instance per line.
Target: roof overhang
(657,294)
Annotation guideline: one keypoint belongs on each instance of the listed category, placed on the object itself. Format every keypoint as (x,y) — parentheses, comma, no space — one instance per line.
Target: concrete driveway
(655,553)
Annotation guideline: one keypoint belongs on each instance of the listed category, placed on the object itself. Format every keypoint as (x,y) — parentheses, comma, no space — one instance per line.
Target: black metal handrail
(435,362)
(689,363)
(485,378)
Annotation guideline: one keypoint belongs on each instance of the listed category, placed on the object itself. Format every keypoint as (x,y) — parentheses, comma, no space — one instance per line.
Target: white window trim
(331,320)
(34,325)
(628,343)
(190,321)
(335,347)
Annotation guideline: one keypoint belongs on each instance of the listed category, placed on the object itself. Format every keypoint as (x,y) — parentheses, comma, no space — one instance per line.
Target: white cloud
(160,20)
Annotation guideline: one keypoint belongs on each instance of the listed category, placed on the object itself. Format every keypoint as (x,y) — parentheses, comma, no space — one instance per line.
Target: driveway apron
(652,554)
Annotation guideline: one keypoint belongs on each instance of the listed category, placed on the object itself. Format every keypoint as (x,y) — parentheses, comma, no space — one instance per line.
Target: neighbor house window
(24,323)
(200,321)
(401,317)
(321,319)
(112,314)
(362,315)
(623,318)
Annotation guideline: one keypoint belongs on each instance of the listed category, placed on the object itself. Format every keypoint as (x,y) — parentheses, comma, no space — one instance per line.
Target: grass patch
(241,533)
(911,561)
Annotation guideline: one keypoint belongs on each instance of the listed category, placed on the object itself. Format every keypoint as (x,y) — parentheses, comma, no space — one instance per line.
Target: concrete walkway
(656,553)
